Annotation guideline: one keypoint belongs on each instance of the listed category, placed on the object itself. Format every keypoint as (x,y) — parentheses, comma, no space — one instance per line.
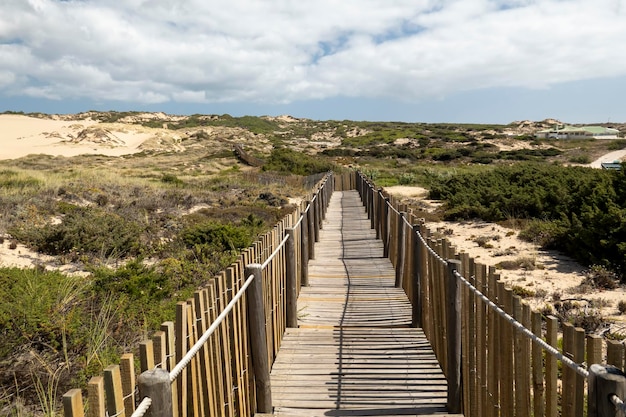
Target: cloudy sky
(483,61)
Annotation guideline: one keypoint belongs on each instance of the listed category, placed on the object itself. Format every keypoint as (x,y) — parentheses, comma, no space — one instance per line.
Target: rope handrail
(522,329)
(196,347)
(269,259)
(142,408)
(618,403)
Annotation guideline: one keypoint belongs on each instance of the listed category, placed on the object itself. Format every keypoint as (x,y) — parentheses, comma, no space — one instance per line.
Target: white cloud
(284,50)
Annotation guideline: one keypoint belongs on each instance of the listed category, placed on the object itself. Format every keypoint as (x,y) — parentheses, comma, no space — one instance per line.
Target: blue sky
(475,61)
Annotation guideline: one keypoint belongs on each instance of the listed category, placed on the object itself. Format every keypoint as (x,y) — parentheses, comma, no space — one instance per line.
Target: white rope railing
(520,327)
(142,408)
(295,226)
(198,345)
(269,259)
(618,403)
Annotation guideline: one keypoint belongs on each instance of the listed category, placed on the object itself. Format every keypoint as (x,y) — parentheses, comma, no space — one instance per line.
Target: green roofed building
(578,132)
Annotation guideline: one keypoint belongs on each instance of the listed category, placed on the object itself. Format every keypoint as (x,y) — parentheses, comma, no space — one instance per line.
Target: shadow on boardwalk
(354,353)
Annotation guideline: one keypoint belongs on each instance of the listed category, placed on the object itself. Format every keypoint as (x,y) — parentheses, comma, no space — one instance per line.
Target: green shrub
(406,179)
(171,179)
(38,307)
(136,280)
(600,277)
(578,210)
(220,237)
(617,145)
(84,230)
(580,159)
(298,163)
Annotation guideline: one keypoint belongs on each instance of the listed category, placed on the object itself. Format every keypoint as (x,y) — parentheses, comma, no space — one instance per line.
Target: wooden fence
(491,365)
(224,377)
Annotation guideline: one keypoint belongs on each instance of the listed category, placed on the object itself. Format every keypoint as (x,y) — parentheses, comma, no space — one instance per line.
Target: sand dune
(23,135)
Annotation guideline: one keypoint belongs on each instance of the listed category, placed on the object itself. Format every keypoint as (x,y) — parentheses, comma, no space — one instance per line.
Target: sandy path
(609,157)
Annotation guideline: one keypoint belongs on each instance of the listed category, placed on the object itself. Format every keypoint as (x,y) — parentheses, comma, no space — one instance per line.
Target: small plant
(522,292)
(601,278)
(171,179)
(483,242)
(523,262)
(406,178)
(621,307)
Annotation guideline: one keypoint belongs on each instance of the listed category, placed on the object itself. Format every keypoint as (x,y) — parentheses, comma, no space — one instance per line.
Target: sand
(23,135)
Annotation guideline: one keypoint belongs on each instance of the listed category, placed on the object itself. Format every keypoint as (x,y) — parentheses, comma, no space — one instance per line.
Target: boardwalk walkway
(354,353)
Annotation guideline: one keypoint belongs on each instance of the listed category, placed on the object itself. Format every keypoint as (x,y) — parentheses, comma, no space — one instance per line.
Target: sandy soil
(23,135)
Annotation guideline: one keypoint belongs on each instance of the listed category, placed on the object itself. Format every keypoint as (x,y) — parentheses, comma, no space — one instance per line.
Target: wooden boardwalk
(354,353)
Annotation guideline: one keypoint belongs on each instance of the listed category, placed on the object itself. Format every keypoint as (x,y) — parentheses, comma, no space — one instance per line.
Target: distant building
(578,132)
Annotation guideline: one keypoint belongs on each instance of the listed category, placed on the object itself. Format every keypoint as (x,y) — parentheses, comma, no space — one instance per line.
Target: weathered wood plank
(354,352)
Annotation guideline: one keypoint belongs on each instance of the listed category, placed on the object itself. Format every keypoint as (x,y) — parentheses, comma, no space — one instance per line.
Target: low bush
(89,231)
(293,162)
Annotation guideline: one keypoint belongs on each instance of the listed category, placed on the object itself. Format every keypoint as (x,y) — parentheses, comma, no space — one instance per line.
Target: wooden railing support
(155,384)
(385,227)
(605,381)
(378,208)
(453,314)
(400,250)
(311,229)
(73,403)
(258,339)
(292,279)
(416,316)
(316,217)
(304,251)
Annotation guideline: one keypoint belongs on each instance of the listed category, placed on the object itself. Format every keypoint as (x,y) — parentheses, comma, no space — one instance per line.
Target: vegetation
(577,210)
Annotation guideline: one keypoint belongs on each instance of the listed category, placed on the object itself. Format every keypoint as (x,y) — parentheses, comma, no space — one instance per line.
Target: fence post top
(156,374)
(598,369)
(454,262)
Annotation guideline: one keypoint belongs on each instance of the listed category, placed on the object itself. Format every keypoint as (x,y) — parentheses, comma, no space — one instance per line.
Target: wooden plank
(552,395)
(354,350)
(113,391)
(73,404)
(216,356)
(537,365)
(95,395)
(181,350)
(195,406)
(225,296)
(146,355)
(127,370)
(169,329)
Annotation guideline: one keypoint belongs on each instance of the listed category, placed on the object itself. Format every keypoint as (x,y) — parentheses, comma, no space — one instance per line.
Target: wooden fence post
(155,384)
(113,389)
(73,403)
(385,227)
(453,313)
(292,279)
(378,208)
(372,206)
(416,316)
(400,250)
(605,381)
(304,251)
(258,339)
(316,217)
(310,230)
